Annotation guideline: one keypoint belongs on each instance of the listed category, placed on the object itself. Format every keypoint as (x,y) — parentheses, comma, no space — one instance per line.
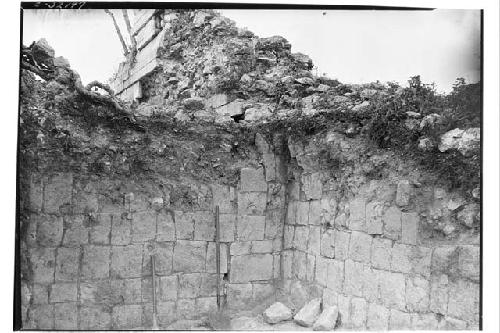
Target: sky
(351,46)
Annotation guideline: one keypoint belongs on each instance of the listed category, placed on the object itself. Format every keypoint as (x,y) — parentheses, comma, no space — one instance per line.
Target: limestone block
(327,319)
(276,313)
(360,247)
(35,194)
(184,225)
(309,313)
(392,223)
(438,302)
(227,223)
(265,246)
(252,203)
(409,228)
(452,324)
(127,290)
(85,199)
(312,186)
(217,100)
(168,288)
(205,305)
(328,243)
(76,233)
(65,316)
(300,265)
(232,109)
(121,231)
(287,264)
(211,258)
(342,239)
(314,244)
(95,262)
(463,300)
(40,294)
(468,262)
(381,253)
(67,262)
(424,321)
(58,192)
(370,284)
(291,215)
(392,289)
(166,313)
(127,317)
(288,236)
(49,231)
(185,309)
(301,238)
(357,314)
(321,275)
(240,248)
(209,284)
(252,267)
(445,259)
(353,283)
(43,263)
(302,213)
(63,292)
(253,180)
(163,258)
(357,210)
(100,233)
(273,224)
(417,294)
(344,305)
(42,316)
(126,261)
(165,226)
(94,318)
(189,256)
(403,193)
(377,318)
(222,197)
(336,275)
(315,212)
(310,267)
(330,297)
(238,295)
(374,223)
(189,285)
(204,226)
(250,227)
(399,320)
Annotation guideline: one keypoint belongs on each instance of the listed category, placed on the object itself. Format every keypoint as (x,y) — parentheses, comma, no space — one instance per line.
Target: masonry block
(287,264)
(300,265)
(95,262)
(336,275)
(76,233)
(168,287)
(62,292)
(344,305)
(273,224)
(438,302)
(424,321)
(127,317)
(417,294)
(222,197)
(353,283)
(310,267)
(374,222)
(184,225)
(49,231)
(127,291)
(253,180)
(65,316)
(35,194)
(452,324)
(67,262)
(265,246)
(239,295)
(211,258)
(186,309)
(406,259)
(204,226)
(392,289)
(94,318)
(58,192)
(392,223)
(250,227)
(358,313)
(370,282)
(189,285)
(321,274)
(165,226)
(357,210)
(329,298)
(240,248)
(164,252)
(381,253)
(409,228)
(227,224)
(288,236)
(291,214)
(314,244)
(360,247)
(328,243)
(302,213)
(342,239)
(209,285)
(403,193)
(445,260)
(121,231)
(251,267)
(42,316)
(312,186)
(377,317)
(399,320)
(301,238)
(315,212)
(166,313)
(463,300)
(43,263)
(469,262)
(40,294)
(189,256)
(252,203)
(126,261)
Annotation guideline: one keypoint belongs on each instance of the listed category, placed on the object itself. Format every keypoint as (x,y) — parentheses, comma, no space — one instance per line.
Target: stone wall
(371,250)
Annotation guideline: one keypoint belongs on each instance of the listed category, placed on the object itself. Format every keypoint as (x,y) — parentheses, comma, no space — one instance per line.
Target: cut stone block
(165,226)
(328,243)
(58,192)
(463,300)
(168,287)
(94,318)
(126,261)
(392,289)
(65,316)
(341,244)
(381,253)
(50,230)
(301,238)
(251,227)
(374,222)
(314,244)
(253,180)
(439,294)
(327,319)
(469,262)
(392,223)
(417,294)
(312,186)
(403,193)
(95,262)
(357,210)
(321,271)
(223,196)
(67,262)
(276,313)
(43,262)
(360,247)
(357,314)
(76,233)
(63,292)
(189,285)
(126,317)
(409,228)
(184,225)
(309,313)
(227,224)
(211,258)
(252,203)
(315,212)
(335,275)
(399,320)
(240,248)
(204,226)
(189,256)
(251,267)
(377,318)
(302,217)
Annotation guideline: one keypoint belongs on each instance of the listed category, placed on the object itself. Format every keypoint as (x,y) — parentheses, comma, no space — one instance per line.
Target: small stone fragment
(327,319)
(276,313)
(309,313)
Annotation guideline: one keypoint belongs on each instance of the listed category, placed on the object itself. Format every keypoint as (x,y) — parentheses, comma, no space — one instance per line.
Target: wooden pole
(217,253)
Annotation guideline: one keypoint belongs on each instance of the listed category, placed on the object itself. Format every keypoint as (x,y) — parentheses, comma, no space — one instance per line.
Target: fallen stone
(327,319)
(309,313)
(276,313)
(465,141)
(194,103)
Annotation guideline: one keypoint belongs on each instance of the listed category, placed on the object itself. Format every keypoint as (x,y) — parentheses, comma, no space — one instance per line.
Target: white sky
(352,46)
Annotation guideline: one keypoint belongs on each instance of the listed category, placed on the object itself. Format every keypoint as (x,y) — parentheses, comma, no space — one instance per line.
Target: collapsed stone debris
(312,214)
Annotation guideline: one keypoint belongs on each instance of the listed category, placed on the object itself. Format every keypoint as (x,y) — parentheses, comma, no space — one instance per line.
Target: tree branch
(117,28)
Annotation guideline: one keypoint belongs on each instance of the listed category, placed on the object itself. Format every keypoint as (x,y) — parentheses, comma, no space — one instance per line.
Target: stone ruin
(303,215)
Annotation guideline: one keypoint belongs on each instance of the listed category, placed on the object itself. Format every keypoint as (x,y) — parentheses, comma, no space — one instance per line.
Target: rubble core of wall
(315,212)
